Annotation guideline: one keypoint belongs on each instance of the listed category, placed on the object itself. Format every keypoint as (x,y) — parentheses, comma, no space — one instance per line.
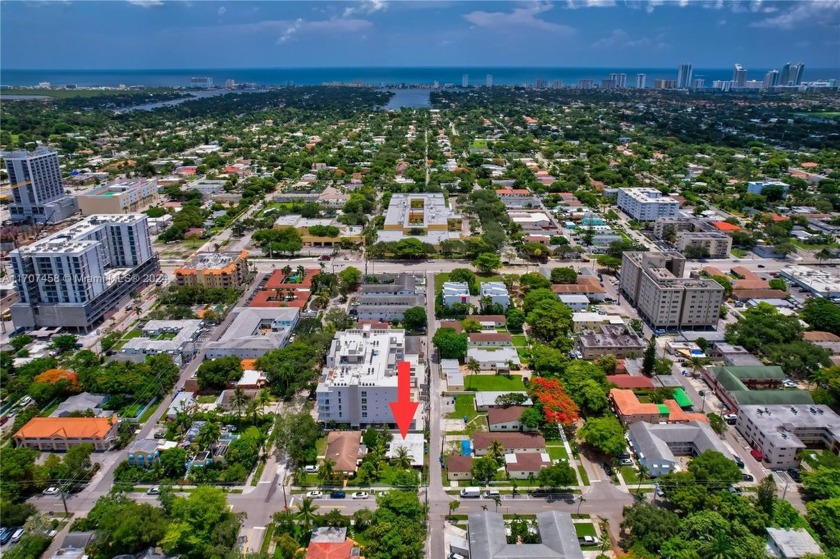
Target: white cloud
(826,12)
(221,11)
(366,7)
(292,29)
(620,39)
(146,3)
(652,4)
(519,18)
(574,4)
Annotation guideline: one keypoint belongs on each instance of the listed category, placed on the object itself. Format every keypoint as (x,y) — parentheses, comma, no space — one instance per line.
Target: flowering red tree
(556,404)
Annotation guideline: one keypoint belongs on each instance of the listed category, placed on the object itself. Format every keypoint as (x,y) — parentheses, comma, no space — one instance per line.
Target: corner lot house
(61,433)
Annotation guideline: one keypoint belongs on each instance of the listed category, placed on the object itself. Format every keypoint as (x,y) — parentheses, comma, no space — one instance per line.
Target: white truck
(471,493)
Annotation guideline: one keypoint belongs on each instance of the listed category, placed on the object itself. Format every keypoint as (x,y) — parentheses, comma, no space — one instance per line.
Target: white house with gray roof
(171,337)
(657,446)
(486,531)
(254,332)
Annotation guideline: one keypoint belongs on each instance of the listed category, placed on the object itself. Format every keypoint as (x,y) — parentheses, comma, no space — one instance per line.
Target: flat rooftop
(213,260)
(780,423)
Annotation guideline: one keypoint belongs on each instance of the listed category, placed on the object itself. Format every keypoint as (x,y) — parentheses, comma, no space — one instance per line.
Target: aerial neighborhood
(545,321)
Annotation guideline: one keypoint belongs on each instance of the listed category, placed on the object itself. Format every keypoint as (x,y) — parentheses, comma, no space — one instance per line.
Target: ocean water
(366,76)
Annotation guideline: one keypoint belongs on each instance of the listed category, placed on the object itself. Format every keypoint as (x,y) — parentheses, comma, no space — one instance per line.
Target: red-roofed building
(630,382)
(278,291)
(513,192)
(725,227)
(332,543)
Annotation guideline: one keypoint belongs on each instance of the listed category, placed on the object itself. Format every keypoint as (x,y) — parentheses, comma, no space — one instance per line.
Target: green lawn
(206,399)
(479,144)
(269,533)
(524,355)
(629,474)
(585,529)
(583,476)
(149,411)
(556,452)
(519,340)
(133,334)
(321,447)
(464,406)
(494,383)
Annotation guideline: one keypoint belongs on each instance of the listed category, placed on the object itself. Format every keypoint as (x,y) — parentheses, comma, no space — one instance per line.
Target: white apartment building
(646,204)
(782,432)
(359,379)
(718,245)
(497,292)
(422,216)
(72,278)
(653,283)
(37,190)
(254,332)
(171,337)
(455,292)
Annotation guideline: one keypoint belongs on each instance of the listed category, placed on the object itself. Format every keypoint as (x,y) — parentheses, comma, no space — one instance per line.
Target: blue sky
(153,34)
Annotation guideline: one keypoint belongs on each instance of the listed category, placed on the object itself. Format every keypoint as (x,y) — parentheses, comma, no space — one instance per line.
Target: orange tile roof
(678,415)
(724,226)
(329,550)
(818,336)
(66,428)
(249,364)
(630,381)
(626,403)
(712,271)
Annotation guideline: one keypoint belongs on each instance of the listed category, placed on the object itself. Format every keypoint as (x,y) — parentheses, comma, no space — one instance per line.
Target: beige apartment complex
(717,244)
(214,269)
(119,197)
(653,283)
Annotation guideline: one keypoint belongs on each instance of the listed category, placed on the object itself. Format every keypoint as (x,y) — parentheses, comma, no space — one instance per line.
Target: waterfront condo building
(214,269)
(646,204)
(72,278)
(37,190)
(653,283)
(360,377)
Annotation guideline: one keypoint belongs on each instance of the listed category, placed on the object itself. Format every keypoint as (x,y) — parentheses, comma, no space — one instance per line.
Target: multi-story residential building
(359,379)
(771,79)
(684,76)
(610,339)
(320,232)
(496,292)
(782,432)
(386,301)
(118,197)
(739,76)
(653,283)
(71,278)
(668,227)
(37,191)
(214,269)
(558,538)
(455,292)
(717,244)
(797,71)
(743,385)
(658,445)
(171,337)
(641,81)
(646,204)
(254,332)
(425,217)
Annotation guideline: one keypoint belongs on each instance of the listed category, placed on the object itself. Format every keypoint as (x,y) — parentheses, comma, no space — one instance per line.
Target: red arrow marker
(403,409)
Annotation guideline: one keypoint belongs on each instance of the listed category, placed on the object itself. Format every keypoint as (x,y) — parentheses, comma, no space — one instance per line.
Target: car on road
(739,461)
(730,418)
(51,490)
(626,462)
(361,495)
(748,477)
(338,495)
(755,453)
(608,468)
(311,469)
(153,490)
(314,494)
(761,266)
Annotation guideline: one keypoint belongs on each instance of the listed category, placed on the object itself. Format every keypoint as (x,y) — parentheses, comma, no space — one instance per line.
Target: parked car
(739,461)
(755,453)
(338,495)
(492,493)
(311,469)
(51,490)
(659,491)
(608,468)
(624,454)
(735,491)
(153,490)
(794,474)
(361,495)
(748,477)
(314,494)
(5,535)
(588,540)
(17,535)
(730,418)
(626,462)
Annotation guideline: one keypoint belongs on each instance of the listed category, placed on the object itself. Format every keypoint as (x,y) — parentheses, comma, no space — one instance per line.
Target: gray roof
(402,282)
(80,402)
(328,534)
(782,424)
(244,331)
(655,442)
(559,539)
(76,540)
(794,543)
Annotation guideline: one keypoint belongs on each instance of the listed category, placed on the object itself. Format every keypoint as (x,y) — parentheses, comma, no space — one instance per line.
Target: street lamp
(580,502)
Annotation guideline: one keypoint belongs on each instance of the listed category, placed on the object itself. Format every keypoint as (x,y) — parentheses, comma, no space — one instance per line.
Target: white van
(471,493)
(17,535)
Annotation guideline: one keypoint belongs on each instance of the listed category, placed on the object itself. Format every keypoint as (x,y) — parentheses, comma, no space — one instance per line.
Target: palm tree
(497,451)
(473,366)
(238,401)
(697,363)
(287,271)
(453,506)
(823,254)
(300,272)
(253,409)
(306,512)
(326,471)
(719,547)
(208,434)
(323,299)
(263,398)
(402,459)
(643,474)
(497,500)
